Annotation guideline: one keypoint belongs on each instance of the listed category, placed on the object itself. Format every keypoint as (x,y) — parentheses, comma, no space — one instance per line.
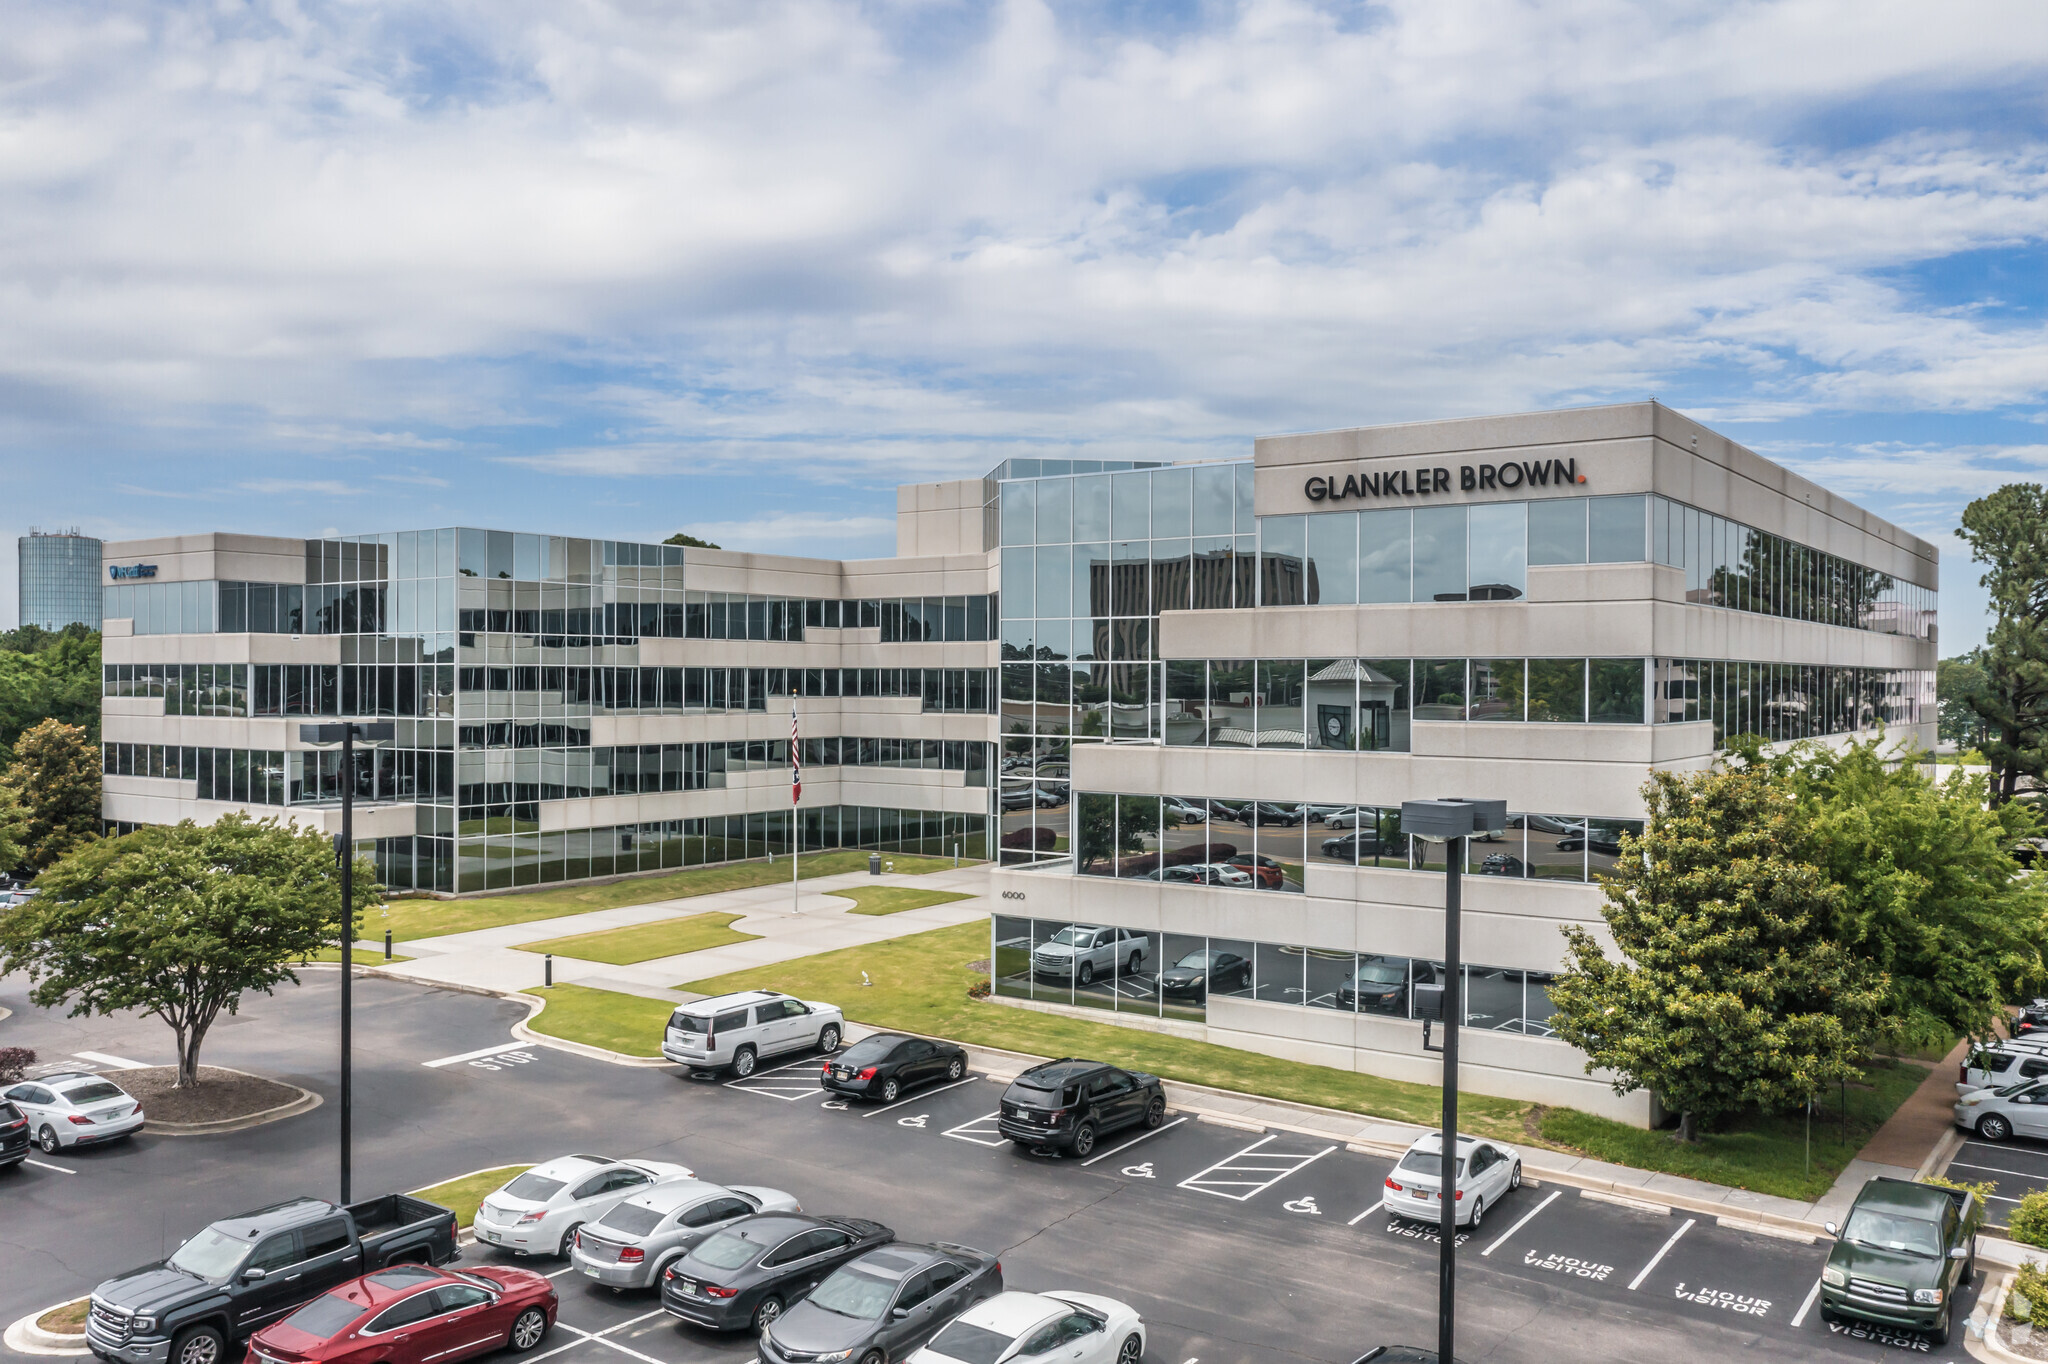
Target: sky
(741,268)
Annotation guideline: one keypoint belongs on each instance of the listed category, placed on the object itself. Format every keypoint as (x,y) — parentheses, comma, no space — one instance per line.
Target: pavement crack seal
(1059,1221)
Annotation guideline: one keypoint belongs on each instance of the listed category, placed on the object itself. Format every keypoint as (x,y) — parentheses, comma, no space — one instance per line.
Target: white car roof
(566,1168)
(1014,1312)
(1434,1141)
(675,1194)
(716,1003)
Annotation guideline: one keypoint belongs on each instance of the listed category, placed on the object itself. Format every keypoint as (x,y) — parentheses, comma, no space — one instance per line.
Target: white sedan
(73,1108)
(1073,1328)
(1486,1174)
(538,1213)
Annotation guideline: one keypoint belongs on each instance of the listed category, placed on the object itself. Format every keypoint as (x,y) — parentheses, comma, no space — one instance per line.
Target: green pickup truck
(1904,1256)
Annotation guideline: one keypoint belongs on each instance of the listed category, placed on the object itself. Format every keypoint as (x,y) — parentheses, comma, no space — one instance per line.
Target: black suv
(13,1135)
(1068,1104)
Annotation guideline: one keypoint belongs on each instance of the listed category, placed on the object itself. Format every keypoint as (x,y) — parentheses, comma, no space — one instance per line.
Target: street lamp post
(1450,821)
(346,733)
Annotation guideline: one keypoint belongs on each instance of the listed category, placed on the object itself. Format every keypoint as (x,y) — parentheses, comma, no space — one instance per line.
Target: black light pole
(1450,822)
(345,851)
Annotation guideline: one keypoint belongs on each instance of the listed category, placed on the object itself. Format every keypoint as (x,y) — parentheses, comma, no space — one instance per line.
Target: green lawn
(363,956)
(627,1024)
(465,1193)
(645,942)
(431,918)
(1764,1154)
(895,899)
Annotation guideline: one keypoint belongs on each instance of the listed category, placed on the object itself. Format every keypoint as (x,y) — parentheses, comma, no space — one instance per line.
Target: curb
(525,1033)
(1944,1151)
(291,1108)
(25,1337)
(1987,1346)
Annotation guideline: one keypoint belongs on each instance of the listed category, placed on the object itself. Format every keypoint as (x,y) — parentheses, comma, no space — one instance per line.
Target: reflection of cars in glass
(1067,1104)
(1186,874)
(1503,864)
(1193,976)
(1017,798)
(1580,842)
(883,1305)
(1074,1328)
(1354,846)
(1052,795)
(1546,824)
(1378,986)
(1082,953)
(1266,874)
(1223,874)
(1353,817)
(1266,812)
(886,1064)
(1187,812)
(1485,1174)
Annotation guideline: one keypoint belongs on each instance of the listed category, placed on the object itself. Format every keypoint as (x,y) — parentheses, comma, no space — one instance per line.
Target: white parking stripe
(1638,1279)
(599,1339)
(476,1055)
(925,1095)
(41,1166)
(965,1131)
(1799,1318)
(1214,1180)
(117,1062)
(1523,1223)
(1145,1136)
(1995,1169)
(1367,1213)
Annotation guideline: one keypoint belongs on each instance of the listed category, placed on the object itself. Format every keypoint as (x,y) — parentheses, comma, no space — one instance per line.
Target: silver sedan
(631,1245)
(1995,1114)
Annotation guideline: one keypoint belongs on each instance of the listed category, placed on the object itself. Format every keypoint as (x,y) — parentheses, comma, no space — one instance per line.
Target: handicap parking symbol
(834,1103)
(1304,1205)
(1139,1171)
(917,1121)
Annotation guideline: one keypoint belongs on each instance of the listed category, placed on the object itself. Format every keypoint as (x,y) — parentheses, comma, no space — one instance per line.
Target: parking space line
(476,1055)
(1526,1218)
(788,1088)
(1367,1213)
(965,1132)
(599,1339)
(117,1062)
(1799,1317)
(1662,1251)
(1995,1169)
(1206,1181)
(1105,1155)
(915,1097)
(40,1165)
(558,1273)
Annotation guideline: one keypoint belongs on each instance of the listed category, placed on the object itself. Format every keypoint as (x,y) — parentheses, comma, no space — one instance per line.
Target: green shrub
(1982,1189)
(2029,1221)
(2029,1293)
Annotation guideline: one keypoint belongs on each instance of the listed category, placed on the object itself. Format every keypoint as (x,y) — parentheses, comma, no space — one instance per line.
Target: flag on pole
(796,767)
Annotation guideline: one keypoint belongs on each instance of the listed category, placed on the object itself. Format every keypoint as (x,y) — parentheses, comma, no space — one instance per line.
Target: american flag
(796,766)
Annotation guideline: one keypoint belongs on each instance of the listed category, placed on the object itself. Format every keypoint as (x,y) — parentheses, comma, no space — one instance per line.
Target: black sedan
(1193,976)
(1356,847)
(743,1277)
(883,1305)
(884,1065)
(1503,864)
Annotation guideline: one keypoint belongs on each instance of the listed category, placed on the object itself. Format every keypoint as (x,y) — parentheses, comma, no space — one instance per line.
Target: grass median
(645,942)
(628,1024)
(431,918)
(363,956)
(895,899)
(463,1193)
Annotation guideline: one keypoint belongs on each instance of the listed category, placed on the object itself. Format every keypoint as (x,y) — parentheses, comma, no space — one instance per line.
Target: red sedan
(413,1314)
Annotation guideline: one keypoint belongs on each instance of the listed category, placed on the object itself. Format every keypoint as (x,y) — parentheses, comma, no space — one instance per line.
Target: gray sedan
(632,1244)
(883,1305)
(1995,1114)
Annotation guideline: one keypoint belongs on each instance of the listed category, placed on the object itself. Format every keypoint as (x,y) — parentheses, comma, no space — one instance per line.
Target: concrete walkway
(785,928)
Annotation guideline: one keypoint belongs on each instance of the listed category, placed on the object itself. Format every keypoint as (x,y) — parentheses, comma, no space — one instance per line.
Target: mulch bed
(220,1094)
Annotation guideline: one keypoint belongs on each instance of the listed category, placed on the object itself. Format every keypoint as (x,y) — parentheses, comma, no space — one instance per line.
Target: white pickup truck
(1080,953)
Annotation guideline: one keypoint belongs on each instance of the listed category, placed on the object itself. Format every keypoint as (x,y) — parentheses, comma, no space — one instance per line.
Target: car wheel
(528,1330)
(200,1345)
(1945,1327)
(767,1312)
(1084,1139)
(1155,1112)
(1086,975)
(828,1037)
(47,1139)
(1137,960)
(956,1068)
(1515,1176)
(1131,1351)
(1478,1214)
(568,1240)
(890,1089)
(743,1062)
(874,1357)
(1991,1127)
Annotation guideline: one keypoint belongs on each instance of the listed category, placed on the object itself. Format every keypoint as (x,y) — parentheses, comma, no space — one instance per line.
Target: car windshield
(632,1219)
(970,1344)
(1428,1163)
(853,1293)
(326,1317)
(2007,1091)
(1197,961)
(1894,1231)
(1072,937)
(726,1250)
(212,1254)
(1381,973)
(534,1188)
(92,1093)
(869,1050)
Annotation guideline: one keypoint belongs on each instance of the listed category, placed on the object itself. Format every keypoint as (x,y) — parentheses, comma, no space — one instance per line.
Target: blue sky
(740,268)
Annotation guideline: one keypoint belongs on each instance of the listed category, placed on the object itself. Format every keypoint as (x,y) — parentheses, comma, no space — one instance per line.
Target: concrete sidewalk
(784,927)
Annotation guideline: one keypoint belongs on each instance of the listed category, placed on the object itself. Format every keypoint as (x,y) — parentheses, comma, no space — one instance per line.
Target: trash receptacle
(874,864)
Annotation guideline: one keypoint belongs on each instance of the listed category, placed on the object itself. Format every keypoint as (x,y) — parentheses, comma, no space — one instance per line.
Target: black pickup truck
(244,1272)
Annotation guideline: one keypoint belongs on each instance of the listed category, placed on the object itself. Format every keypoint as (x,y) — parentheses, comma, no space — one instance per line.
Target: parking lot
(1233,1244)
(2018,1167)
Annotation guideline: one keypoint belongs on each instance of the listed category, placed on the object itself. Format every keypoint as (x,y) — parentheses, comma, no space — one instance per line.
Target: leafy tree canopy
(55,781)
(1727,991)
(45,676)
(690,540)
(1959,685)
(2007,532)
(180,921)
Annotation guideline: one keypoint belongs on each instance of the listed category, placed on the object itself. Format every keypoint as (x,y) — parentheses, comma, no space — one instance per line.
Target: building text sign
(1424,482)
(131,570)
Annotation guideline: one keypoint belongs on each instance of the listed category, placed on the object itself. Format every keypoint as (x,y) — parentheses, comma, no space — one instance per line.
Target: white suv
(736,1032)
(1081,953)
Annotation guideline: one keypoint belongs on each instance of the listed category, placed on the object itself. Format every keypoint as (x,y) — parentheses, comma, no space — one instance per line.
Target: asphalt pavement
(1233,1245)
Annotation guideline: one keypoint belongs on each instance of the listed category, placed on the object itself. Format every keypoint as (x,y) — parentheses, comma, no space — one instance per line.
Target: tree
(180,921)
(45,676)
(690,541)
(56,782)
(2007,531)
(1727,992)
(13,830)
(1931,895)
(1959,682)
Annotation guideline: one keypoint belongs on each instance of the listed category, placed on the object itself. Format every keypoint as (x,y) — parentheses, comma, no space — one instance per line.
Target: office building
(59,582)
(1180,705)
